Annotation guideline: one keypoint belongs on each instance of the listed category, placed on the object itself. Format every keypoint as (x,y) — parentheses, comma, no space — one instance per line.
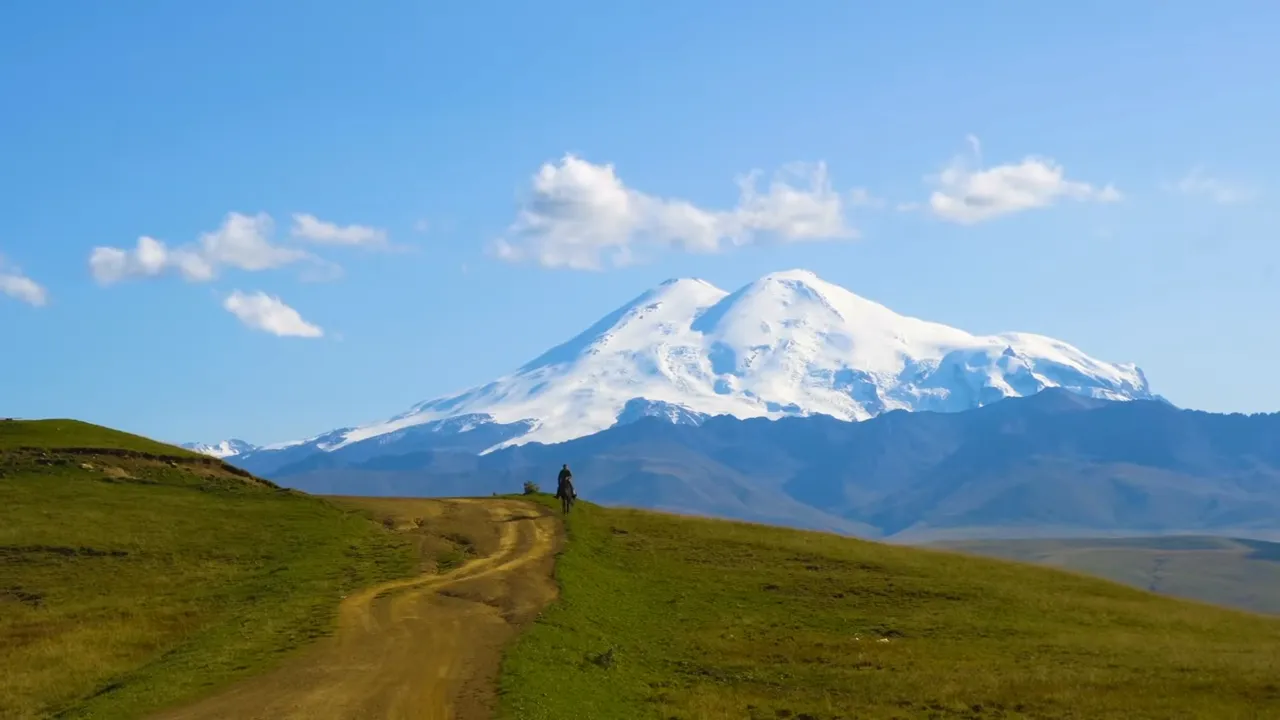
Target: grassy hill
(73,435)
(134,574)
(671,617)
(1225,571)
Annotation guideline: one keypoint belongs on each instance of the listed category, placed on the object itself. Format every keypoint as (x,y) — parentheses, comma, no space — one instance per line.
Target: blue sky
(1100,172)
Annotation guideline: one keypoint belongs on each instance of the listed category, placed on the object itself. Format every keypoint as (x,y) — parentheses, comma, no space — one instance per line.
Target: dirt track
(427,647)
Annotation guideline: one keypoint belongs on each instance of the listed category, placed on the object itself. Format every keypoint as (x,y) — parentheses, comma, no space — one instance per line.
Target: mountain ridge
(1055,464)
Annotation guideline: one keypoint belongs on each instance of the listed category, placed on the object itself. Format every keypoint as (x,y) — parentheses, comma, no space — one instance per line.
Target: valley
(1230,572)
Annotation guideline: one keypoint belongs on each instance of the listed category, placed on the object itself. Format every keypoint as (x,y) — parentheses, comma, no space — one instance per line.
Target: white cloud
(1216,189)
(267,313)
(309,227)
(242,241)
(20,287)
(970,195)
(581,216)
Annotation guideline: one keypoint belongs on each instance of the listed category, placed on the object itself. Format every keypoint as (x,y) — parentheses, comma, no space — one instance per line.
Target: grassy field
(1243,574)
(134,574)
(666,617)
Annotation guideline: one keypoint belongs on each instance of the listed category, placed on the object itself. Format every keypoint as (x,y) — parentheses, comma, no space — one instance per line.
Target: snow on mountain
(223,450)
(787,344)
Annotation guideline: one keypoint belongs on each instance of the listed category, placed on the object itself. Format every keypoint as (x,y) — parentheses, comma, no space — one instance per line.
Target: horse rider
(564,484)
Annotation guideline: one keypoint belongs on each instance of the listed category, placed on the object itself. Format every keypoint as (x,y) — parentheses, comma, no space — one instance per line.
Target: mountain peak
(803,282)
(794,274)
(684,281)
(797,285)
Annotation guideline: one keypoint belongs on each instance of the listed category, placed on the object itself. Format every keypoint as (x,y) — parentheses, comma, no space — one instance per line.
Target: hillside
(134,574)
(1053,464)
(671,617)
(138,577)
(787,345)
(73,434)
(1236,573)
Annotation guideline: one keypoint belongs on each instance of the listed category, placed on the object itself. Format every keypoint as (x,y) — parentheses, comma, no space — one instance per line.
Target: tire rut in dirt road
(427,647)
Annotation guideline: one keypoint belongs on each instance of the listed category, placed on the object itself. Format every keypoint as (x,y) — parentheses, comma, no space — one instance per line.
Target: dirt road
(426,647)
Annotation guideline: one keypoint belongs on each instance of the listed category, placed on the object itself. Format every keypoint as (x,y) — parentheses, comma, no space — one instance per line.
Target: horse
(566,495)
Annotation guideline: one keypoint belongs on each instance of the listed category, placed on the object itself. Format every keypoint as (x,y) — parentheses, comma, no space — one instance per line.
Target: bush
(420,522)
(530,488)
(389,522)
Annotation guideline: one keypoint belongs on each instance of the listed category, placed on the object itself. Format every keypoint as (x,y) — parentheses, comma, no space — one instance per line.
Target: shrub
(530,488)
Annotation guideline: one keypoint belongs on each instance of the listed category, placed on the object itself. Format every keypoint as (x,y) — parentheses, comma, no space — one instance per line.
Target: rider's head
(566,466)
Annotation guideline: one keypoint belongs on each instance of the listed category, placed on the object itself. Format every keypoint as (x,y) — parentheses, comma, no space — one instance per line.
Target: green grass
(1244,574)
(128,583)
(667,617)
(62,434)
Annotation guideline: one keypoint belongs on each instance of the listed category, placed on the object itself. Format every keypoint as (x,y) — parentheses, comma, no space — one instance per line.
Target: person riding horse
(564,488)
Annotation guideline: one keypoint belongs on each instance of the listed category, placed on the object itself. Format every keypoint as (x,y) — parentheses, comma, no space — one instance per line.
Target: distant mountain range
(1056,463)
(787,345)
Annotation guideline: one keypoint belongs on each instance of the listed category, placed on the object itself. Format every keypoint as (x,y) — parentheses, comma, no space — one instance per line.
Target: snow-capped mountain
(224,449)
(789,343)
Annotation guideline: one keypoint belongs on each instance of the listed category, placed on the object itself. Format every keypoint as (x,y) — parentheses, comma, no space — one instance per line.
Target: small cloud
(242,241)
(582,216)
(1223,192)
(269,314)
(421,226)
(861,197)
(20,287)
(968,195)
(975,145)
(309,227)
